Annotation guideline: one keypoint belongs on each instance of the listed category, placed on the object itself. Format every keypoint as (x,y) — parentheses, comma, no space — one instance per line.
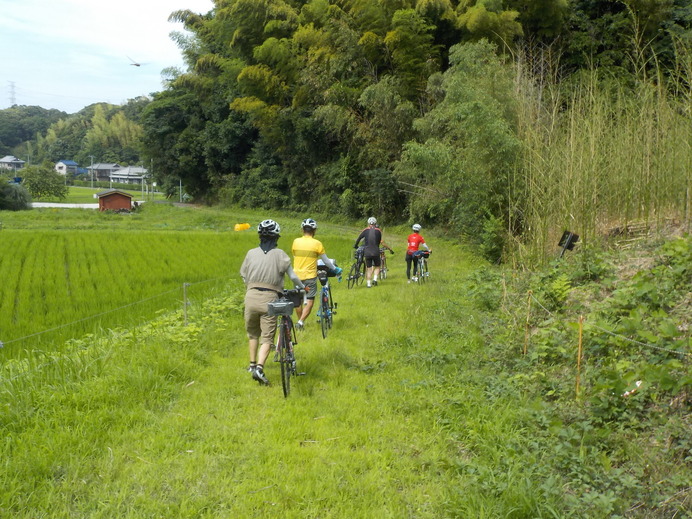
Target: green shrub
(14,197)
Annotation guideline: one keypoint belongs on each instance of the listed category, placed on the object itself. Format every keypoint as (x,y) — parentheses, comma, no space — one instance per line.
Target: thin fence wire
(57,358)
(619,336)
(43,332)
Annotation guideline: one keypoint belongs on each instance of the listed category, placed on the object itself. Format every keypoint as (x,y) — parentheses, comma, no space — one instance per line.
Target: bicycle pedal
(300,373)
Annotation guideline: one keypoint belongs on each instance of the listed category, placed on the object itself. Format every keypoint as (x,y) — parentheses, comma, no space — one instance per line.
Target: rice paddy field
(68,272)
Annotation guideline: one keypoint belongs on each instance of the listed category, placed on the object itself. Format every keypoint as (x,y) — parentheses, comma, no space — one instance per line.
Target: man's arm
(327,262)
(360,237)
(296,280)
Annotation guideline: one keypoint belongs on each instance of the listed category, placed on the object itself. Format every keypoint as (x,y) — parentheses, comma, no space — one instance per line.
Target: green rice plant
(62,280)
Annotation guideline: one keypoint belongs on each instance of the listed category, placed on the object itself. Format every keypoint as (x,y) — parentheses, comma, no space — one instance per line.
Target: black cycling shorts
(373,261)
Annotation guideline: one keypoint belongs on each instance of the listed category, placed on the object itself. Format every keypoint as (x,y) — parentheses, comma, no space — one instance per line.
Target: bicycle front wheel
(325,314)
(353,275)
(383,268)
(361,273)
(285,356)
(330,321)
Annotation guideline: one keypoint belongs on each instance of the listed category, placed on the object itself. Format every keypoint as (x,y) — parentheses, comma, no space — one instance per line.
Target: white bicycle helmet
(268,228)
(416,227)
(372,221)
(309,222)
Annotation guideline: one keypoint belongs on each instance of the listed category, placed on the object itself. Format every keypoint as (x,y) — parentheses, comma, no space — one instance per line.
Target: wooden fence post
(579,354)
(185,303)
(528,317)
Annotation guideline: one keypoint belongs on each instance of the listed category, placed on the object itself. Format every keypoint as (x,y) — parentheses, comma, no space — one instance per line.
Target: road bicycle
(285,355)
(422,272)
(383,263)
(327,308)
(356,275)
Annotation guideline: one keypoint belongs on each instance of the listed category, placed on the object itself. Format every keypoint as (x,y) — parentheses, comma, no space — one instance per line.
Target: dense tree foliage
(20,124)
(108,133)
(44,182)
(356,104)
(402,108)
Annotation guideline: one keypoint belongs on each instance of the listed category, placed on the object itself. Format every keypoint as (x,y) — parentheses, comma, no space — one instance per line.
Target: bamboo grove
(495,120)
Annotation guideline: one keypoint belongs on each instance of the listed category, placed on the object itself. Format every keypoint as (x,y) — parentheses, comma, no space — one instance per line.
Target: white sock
(368,283)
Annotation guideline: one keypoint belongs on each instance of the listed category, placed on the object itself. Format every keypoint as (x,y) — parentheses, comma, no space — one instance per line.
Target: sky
(68,54)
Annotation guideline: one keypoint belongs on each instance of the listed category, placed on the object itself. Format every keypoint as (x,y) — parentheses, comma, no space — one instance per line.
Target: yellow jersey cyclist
(306,251)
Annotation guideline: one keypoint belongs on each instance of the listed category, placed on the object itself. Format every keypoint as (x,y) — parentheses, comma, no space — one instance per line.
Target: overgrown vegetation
(420,403)
(618,423)
(13,197)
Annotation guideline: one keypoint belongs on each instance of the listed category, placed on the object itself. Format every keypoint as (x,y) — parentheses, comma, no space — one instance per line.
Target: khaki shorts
(258,324)
(310,288)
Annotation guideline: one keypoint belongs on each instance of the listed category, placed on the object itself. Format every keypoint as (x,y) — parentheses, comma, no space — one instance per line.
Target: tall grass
(599,156)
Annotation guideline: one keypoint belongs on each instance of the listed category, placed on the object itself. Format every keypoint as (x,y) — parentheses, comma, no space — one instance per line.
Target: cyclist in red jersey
(415,241)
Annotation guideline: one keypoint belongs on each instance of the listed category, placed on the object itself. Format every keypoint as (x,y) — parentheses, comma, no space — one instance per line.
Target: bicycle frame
(383,264)
(356,274)
(327,306)
(283,308)
(421,268)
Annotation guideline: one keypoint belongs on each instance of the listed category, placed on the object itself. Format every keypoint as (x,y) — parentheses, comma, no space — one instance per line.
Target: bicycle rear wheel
(383,268)
(324,314)
(421,275)
(285,356)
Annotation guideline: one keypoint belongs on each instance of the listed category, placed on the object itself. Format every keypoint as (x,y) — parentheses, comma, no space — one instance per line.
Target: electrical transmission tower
(13,98)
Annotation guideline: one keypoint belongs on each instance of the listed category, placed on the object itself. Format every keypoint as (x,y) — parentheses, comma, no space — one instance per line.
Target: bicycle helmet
(416,227)
(372,221)
(309,222)
(268,228)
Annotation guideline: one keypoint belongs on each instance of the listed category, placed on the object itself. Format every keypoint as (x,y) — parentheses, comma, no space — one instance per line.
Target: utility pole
(92,171)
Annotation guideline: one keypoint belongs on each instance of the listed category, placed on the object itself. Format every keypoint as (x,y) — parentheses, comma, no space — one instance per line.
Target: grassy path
(170,424)
(358,437)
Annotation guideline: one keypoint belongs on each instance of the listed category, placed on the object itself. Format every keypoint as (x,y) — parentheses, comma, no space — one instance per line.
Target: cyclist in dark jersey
(372,239)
